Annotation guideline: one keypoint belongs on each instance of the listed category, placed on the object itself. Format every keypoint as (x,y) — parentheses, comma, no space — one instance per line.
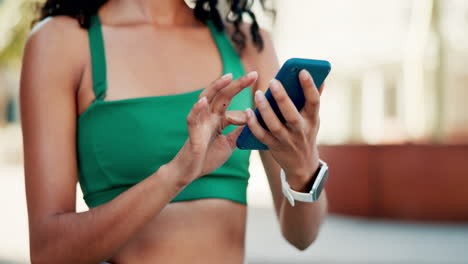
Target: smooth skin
(140,225)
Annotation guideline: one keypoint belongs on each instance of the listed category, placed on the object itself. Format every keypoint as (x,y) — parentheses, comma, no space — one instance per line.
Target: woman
(111,98)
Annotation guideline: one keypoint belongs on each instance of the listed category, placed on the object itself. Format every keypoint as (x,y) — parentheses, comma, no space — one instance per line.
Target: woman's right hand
(206,148)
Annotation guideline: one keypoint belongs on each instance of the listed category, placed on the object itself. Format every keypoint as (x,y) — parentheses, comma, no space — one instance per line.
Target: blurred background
(394,130)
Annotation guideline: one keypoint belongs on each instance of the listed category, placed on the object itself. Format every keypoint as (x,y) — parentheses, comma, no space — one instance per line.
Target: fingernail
(249,112)
(202,99)
(227,76)
(252,74)
(274,85)
(236,118)
(304,75)
(259,95)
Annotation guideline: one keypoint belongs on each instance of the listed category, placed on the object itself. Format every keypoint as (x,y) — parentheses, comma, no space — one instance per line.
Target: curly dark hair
(82,10)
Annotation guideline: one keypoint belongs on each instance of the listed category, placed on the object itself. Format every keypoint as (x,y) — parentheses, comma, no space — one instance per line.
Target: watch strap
(286,188)
(292,195)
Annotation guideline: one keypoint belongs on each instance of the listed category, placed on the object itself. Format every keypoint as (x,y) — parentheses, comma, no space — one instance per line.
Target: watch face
(321,183)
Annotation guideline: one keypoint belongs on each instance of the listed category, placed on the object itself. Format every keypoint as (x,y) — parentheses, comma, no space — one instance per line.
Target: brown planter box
(412,182)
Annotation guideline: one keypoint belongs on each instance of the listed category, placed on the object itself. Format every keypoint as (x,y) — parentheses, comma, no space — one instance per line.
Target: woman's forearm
(97,234)
(300,224)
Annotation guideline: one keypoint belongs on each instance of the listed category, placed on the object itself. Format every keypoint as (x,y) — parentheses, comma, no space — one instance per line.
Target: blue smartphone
(288,75)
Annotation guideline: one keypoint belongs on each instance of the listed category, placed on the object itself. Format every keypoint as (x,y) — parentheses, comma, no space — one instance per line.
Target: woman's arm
(50,74)
(53,64)
(300,224)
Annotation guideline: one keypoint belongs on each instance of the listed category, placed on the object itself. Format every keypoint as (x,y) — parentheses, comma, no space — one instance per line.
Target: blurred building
(398,66)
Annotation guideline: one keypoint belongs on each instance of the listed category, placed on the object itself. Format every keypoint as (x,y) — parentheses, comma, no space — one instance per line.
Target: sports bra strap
(98,54)
(98,57)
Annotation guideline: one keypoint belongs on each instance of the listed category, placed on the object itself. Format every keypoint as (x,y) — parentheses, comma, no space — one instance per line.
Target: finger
(237,118)
(312,97)
(215,87)
(193,116)
(232,136)
(224,97)
(258,131)
(288,109)
(273,123)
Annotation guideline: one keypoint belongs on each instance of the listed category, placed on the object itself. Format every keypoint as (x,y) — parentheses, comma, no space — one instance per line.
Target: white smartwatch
(319,181)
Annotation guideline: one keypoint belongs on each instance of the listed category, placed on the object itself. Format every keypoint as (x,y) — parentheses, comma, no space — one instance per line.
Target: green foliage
(11,53)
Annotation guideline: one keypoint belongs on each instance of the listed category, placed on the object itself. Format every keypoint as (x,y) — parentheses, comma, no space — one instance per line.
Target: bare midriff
(199,231)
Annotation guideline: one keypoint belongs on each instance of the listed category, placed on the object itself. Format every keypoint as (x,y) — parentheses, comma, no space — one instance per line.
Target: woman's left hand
(293,144)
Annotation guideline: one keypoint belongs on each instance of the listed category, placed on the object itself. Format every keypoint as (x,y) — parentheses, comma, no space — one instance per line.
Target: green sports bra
(121,142)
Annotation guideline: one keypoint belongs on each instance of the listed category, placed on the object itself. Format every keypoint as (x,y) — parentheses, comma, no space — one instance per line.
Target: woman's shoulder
(58,28)
(59,34)
(57,44)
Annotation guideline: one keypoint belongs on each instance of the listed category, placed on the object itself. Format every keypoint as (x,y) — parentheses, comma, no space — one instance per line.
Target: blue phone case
(289,77)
